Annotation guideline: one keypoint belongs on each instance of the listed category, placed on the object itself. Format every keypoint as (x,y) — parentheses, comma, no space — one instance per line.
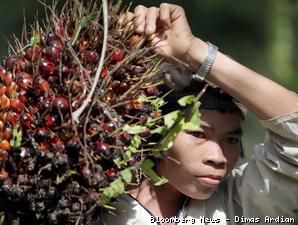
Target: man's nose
(215,155)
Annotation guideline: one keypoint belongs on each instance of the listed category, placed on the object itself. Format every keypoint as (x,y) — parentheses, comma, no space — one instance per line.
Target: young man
(200,163)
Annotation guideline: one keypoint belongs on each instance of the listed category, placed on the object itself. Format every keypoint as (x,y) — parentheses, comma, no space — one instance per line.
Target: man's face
(199,160)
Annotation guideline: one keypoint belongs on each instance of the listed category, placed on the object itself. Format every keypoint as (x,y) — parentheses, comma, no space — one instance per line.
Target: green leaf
(134,129)
(126,175)
(34,40)
(157,103)
(147,167)
(171,132)
(16,139)
(170,118)
(187,100)
(142,98)
(118,162)
(115,189)
(136,141)
(158,130)
(150,122)
(193,118)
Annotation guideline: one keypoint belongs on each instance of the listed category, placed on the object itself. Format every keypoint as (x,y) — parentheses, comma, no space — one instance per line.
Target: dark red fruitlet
(50,121)
(111,172)
(47,67)
(40,85)
(118,55)
(104,73)
(17,105)
(90,56)
(61,103)
(108,127)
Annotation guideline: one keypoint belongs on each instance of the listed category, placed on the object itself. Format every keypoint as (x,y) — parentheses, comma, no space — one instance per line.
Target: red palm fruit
(118,55)
(20,64)
(35,53)
(73,144)
(7,133)
(143,119)
(57,43)
(53,53)
(23,95)
(2,89)
(151,91)
(90,56)
(10,62)
(104,73)
(103,148)
(26,120)
(61,103)
(125,137)
(17,105)
(47,67)
(4,145)
(24,80)
(50,121)
(13,118)
(11,89)
(40,85)
(41,133)
(2,72)
(123,87)
(108,127)
(146,133)
(4,102)
(111,172)
(7,78)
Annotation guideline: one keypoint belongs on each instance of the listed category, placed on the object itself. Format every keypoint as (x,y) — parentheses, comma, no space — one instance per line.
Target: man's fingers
(151,19)
(140,17)
(165,14)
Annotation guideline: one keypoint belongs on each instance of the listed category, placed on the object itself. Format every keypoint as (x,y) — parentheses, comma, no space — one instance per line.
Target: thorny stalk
(76,114)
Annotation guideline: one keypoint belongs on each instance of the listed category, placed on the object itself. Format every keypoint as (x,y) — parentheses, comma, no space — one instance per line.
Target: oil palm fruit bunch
(80,113)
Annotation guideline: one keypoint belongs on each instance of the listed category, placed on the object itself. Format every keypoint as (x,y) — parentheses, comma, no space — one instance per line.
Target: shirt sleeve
(268,184)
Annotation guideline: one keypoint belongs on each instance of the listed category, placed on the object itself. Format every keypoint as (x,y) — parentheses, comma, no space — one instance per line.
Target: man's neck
(162,201)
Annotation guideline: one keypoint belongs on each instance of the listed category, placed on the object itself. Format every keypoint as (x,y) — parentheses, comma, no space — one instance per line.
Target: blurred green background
(259,34)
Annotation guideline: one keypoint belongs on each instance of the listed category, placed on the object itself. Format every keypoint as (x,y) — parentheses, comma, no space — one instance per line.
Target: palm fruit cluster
(59,165)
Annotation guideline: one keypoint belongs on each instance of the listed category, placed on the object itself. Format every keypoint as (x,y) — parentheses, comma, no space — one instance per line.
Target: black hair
(213,98)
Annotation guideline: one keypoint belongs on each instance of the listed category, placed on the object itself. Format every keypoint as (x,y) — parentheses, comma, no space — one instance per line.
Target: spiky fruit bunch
(66,150)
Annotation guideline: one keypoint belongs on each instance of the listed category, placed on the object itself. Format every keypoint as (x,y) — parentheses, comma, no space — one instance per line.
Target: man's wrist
(196,54)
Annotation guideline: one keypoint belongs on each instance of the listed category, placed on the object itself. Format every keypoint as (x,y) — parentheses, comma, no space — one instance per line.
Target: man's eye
(233,140)
(197,134)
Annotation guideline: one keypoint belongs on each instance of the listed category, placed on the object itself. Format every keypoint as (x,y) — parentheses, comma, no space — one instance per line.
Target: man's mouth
(209,180)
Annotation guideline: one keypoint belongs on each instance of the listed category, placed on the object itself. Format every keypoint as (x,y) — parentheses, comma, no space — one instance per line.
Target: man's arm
(168,29)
